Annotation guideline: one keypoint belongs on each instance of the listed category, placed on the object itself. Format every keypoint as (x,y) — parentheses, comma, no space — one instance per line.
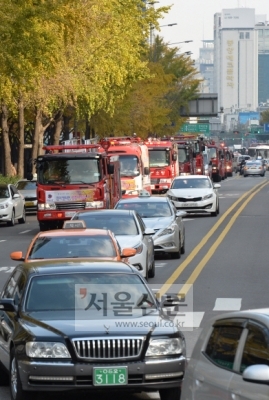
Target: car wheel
(170,394)
(215,213)
(218,209)
(16,391)
(22,220)
(177,254)
(182,249)
(245,176)
(12,221)
(151,272)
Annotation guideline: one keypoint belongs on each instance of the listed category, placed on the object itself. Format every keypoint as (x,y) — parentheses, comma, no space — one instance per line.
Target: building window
(266,32)
(241,35)
(260,32)
(247,35)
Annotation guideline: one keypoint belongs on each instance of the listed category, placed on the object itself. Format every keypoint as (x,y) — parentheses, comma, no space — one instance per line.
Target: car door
(17,202)
(179,223)
(255,351)
(12,290)
(147,239)
(214,367)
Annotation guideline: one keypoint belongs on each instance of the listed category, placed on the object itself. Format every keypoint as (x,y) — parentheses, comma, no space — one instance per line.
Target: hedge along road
(244,199)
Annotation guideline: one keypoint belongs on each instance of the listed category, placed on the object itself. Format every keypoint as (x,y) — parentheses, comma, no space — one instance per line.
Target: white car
(12,205)
(195,194)
(129,230)
(28,190)
(159,213)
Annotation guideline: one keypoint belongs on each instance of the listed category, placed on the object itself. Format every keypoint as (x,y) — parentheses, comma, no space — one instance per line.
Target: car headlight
(94,204)
(165,347)
(208,196)
(139,248)
(47,350)
(172,198)
(46,206)
(167,231)
(3,206)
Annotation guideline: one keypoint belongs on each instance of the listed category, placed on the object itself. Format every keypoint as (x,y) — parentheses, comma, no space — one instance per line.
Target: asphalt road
(225,266)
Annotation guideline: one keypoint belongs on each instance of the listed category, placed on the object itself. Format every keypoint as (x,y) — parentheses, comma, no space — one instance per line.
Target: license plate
(70,214)
(110,376)
(29,204)
(190,205)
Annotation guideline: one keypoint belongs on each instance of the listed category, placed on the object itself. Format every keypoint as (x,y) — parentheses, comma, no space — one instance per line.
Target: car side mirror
(17,256)
(128,252)
(29,176)
(149,231)
(216,186)
(258,373)
(210,162)
(7,305)
(174,157)
(146,170)
(16,196)
(181,214)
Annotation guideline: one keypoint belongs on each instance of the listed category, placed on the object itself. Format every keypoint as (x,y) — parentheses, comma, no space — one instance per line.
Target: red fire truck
(191,160)
(134,164)
(228,158)
(163,162)
(217,161)
(75,177)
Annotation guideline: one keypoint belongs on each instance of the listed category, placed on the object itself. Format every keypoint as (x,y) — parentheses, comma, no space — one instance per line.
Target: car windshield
(191,183)
(119,224)
(159,158)
(4,194)
(253,163)
(26,185)
(72,247)
(149,209)
(93,292)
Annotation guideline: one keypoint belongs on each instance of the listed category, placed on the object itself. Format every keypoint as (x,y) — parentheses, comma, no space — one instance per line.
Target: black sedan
(87,325)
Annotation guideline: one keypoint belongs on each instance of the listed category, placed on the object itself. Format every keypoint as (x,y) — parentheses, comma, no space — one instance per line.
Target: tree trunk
(20,169)
(8,170)
(58,127)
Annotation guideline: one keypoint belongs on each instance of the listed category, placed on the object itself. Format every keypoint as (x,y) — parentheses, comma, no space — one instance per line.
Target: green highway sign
(195,128)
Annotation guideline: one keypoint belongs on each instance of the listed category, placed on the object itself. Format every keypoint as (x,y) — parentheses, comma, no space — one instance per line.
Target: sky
(195,20)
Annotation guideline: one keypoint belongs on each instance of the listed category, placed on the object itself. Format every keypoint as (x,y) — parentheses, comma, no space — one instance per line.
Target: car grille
(70,206)
(108,349)
(185,200)
(27,198)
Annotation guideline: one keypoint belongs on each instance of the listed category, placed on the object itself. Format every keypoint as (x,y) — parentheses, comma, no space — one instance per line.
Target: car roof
(261,314)
(106,212)
(78,266)
(75,232)
(191,177)
(145,199)
(4,185)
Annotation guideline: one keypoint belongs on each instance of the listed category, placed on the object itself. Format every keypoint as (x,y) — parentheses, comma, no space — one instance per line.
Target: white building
(236,59)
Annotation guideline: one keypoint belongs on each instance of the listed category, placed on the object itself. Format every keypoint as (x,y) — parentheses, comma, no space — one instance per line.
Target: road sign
(195,128)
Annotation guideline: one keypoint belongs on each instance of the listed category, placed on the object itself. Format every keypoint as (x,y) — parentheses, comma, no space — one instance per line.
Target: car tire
(182,249)
(245,176)
(170,394)
(12,221)
(22,220)
(215,213)
(16,391)
(176,255)
(151,272)
(218,209)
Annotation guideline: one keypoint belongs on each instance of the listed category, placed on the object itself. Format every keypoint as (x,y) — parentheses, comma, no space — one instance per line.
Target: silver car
(11,205)
(253,167)
(129,230)
(230,359)
(28,190)
(160,214)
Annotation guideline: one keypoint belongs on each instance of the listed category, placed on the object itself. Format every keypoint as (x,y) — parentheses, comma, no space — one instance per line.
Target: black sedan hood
(52,325)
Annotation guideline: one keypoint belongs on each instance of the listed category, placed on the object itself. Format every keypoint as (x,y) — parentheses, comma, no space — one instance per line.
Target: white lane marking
(2,241)
(227,304)
(7,270)
(29,230)
(160,265)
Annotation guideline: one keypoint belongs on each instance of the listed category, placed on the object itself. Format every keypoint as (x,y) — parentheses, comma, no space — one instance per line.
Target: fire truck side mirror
(194,154)
(203,148)
(110,169)
(174,157)
(210,162)
(222,156)
(146,170)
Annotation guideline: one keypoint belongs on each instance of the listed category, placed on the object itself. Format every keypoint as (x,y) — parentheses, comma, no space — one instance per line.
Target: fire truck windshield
(212,153)
(128,165)
(183,156)
(159,158)
(69,171)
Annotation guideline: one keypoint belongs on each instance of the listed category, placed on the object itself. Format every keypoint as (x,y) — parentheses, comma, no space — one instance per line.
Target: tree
(264,117)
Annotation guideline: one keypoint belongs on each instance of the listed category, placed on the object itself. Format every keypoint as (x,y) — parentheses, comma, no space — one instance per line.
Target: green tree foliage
(264,117)
(152,105)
